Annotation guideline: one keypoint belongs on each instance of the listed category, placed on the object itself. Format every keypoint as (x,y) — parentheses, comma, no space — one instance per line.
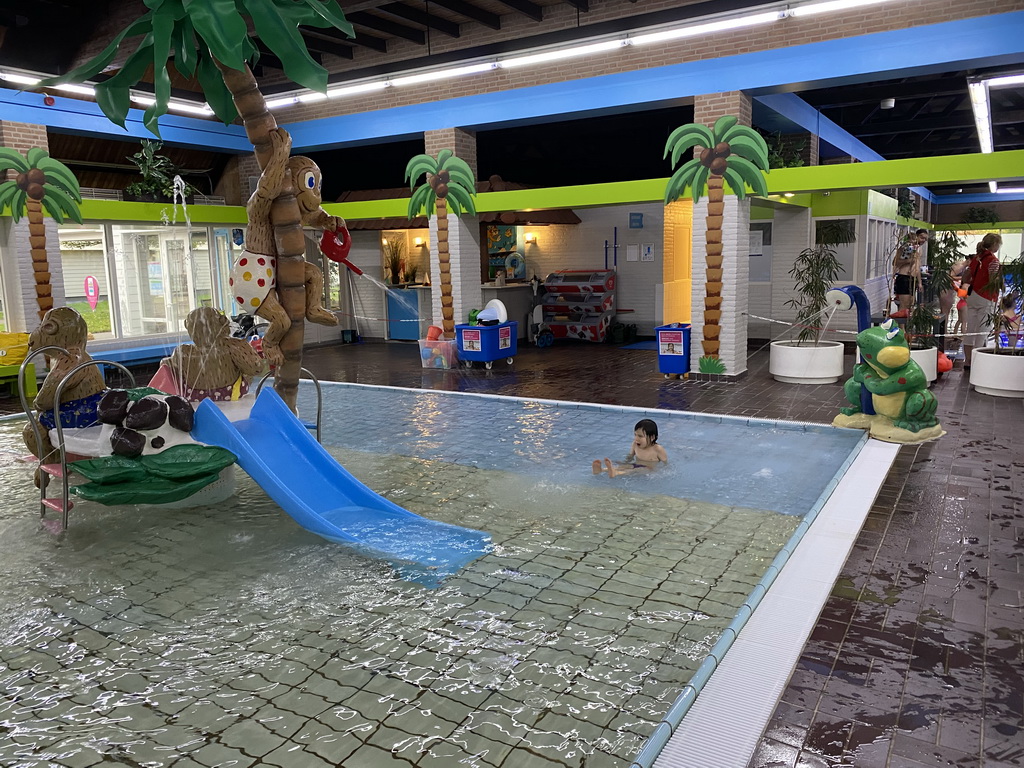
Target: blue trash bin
(673,348)
(487,343)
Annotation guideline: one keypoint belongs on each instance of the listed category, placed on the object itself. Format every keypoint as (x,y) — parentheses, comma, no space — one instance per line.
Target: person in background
(1009,322)
(951,298)
(644,453)
(906,266)
(982,280)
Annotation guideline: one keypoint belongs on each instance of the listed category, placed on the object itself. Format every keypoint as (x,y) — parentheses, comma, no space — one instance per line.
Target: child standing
(644,453)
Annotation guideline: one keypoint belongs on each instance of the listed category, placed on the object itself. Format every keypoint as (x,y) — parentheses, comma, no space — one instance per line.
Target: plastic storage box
(442,353)
(487,343)
(673,348)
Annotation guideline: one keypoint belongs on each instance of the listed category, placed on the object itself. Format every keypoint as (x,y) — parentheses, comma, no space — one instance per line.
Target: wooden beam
(320,45)
(471,11)
(417,16)
(367,41)
(527,8)
(392,28)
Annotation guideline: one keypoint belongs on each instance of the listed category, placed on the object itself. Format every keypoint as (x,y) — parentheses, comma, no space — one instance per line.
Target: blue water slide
(307,482)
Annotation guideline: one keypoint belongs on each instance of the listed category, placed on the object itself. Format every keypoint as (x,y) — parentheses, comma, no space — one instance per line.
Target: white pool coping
(725,723)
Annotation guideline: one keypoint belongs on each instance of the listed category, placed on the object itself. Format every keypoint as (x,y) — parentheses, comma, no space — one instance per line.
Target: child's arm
(632,453)
(662,455)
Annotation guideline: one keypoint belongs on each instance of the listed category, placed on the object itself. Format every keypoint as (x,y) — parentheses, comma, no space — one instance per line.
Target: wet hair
(649,428)
(921,232)
(1009,301)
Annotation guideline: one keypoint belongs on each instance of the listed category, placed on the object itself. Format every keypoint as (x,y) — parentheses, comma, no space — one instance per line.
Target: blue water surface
(777,466)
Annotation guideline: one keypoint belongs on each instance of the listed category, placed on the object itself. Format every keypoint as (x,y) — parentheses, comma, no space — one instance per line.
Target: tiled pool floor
(917,657)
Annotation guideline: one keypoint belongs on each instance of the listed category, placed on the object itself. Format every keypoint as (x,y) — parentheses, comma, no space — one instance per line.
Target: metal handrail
(319,396)
(44,479)
(60,435)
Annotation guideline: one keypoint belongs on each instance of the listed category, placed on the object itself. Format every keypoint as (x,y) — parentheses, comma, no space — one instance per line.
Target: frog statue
(904,406)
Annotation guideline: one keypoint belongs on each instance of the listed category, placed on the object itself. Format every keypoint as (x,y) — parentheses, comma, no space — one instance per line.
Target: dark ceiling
(932,114)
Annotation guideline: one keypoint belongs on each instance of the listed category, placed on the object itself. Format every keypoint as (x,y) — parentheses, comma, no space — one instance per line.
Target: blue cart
(674,349)
(487,343)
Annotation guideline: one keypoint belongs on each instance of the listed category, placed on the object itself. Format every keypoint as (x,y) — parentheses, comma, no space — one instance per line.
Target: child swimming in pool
(644,454)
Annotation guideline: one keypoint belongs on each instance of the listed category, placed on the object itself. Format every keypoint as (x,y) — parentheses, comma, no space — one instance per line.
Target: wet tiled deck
(918,656)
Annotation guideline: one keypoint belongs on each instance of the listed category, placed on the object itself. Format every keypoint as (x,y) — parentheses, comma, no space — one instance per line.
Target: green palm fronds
(448,177)
(200,33)
(735,152)
(40,177)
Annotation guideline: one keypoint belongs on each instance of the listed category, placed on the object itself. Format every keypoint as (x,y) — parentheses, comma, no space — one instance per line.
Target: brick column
(20,292)
(463,235)
(721,288)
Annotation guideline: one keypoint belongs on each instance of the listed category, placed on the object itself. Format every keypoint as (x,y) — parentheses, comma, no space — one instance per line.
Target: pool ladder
(63,505)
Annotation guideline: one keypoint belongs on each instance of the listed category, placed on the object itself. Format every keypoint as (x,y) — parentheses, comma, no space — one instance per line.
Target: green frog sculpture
(904,406)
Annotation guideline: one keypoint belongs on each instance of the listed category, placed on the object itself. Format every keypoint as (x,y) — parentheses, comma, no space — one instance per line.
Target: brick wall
(462,143)
(19,290)
(789,32)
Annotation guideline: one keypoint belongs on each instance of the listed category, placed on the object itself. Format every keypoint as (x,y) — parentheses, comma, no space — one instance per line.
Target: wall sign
(636,221)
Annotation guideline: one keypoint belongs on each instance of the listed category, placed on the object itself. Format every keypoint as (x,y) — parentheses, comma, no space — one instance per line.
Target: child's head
(648,428)
(1009,302)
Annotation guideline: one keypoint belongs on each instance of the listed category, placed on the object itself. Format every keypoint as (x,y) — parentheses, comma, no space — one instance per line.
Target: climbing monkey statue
(254,276)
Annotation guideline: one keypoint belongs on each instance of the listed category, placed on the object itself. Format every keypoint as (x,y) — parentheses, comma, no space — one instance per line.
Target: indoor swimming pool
(229,636)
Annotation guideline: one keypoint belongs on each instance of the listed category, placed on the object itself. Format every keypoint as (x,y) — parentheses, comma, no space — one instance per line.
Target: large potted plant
(394,258)
(999,370)
(158,172)
(926,324)
(809,359)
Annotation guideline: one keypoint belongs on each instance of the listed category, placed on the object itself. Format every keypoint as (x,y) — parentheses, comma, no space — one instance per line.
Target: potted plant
(158,172)
(808,359)
(999,370)
(394,256)
(925,325)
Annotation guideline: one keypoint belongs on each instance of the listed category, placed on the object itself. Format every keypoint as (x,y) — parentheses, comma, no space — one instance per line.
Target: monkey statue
(254,276)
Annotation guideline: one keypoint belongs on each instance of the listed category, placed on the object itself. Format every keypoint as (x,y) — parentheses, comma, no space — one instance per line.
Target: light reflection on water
(231,634)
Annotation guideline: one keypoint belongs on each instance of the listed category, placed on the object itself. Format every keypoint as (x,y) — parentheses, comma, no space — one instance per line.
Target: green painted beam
(951,169)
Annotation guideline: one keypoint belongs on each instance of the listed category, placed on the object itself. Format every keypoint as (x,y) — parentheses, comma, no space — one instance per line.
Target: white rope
(986,334)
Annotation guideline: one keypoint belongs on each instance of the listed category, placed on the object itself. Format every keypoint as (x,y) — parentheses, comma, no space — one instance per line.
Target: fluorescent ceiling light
(561,53)
(1002,82)
(703,29)
(1010,190)
(834,5)
(13,77)
(287,101)
(982,120)
(305,98)
(348,90)
(993,187)
(82,90)
(444,74)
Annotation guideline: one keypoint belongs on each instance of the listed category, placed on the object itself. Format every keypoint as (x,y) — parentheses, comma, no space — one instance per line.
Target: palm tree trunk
(713,273)
(444,260)
(287,222)
(40,263)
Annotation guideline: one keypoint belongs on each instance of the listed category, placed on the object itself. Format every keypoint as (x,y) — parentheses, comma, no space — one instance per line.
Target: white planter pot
(998,375)
(928,359)
(791,363)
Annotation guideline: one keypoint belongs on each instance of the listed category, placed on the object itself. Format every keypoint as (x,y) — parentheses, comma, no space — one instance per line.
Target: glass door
(222,256)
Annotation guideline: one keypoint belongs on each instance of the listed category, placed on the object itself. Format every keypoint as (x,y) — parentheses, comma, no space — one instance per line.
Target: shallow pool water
(229,636)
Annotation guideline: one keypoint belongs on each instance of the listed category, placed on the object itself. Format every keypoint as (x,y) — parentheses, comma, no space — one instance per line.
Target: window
(761,252)
(881,242)
(845,253)
(83,256)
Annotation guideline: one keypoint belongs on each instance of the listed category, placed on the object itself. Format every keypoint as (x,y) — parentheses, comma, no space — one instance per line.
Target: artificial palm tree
(731,153)
(210,41)
(449,182)
(42,182)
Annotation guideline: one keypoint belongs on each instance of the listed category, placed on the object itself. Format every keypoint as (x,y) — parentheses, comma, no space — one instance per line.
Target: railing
(319,396)
(44,469)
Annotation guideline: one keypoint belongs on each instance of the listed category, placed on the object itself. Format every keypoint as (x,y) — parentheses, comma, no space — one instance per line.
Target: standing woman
(982,283)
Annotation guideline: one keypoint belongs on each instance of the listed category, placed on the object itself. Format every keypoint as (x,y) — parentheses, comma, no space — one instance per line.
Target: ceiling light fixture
(1010,190)
(712,26)
(978,92)
(561,53)
(887,103)
(443,74)
(812,9)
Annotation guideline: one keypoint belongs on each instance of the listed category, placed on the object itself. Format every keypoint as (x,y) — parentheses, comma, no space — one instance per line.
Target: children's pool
(229,636)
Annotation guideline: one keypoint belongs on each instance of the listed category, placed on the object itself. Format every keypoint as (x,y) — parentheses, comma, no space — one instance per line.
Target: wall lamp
(419,242)
(531,238)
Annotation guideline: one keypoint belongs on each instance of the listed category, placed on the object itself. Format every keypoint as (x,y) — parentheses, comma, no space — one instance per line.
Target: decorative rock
(147,413)
(180,414)
(127,442)
(113,407)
